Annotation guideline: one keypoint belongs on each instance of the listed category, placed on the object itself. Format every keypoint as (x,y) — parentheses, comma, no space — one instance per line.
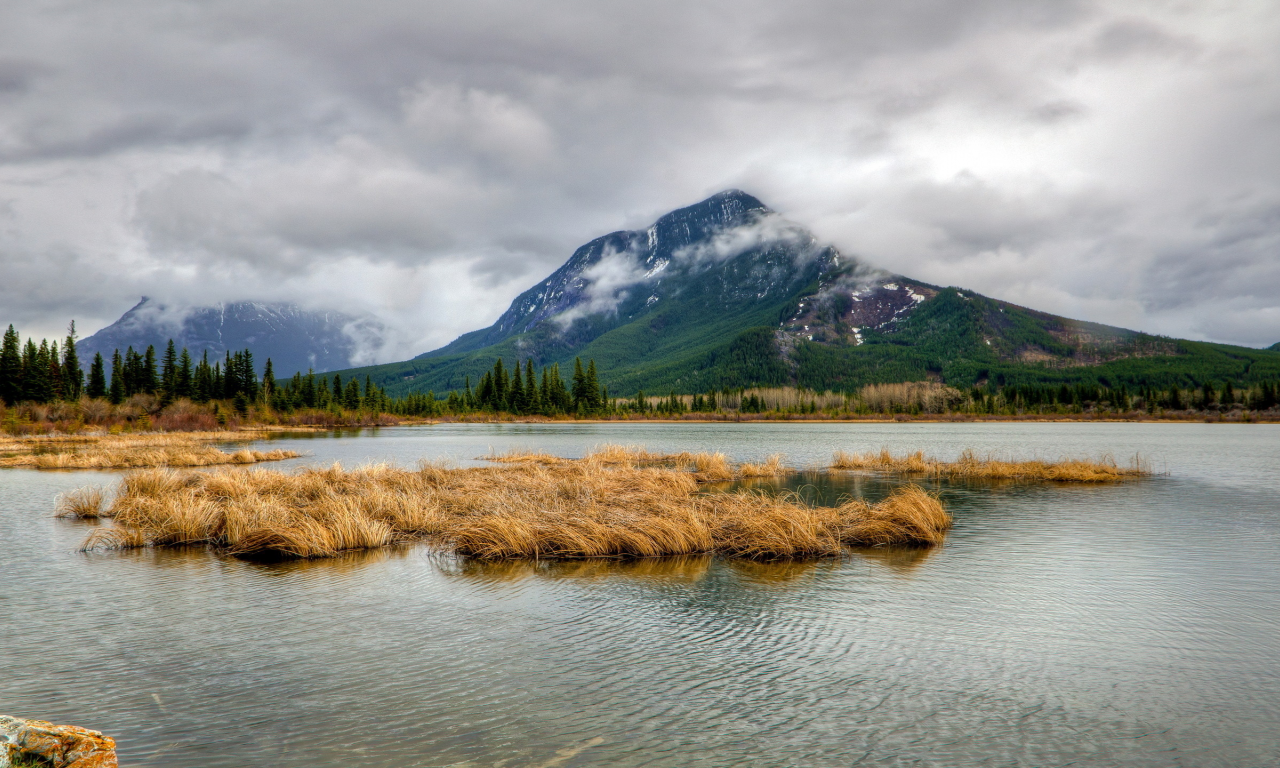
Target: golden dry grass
(525,508)
(82,503)
(771,467)
(132,451)
(970,465)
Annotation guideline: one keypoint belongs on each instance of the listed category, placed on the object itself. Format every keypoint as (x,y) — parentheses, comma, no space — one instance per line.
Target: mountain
(295,339)
(728,293)
(1275,347)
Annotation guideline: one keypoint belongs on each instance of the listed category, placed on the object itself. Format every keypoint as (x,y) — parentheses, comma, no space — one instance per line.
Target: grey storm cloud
(428,161)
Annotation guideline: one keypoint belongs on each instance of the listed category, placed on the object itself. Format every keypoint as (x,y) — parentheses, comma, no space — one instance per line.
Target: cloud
(427,162)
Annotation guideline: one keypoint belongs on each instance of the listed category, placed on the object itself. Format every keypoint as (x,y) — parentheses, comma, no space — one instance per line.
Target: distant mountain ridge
(295,339)
(728,293)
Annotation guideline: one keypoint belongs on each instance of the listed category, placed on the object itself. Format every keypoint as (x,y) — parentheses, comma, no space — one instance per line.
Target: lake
(1134,624)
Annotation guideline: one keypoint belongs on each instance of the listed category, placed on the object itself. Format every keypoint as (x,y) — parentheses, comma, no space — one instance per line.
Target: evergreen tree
(230,377)
(169,374)
(248,377)
(217,382)
(544,395)
(150,382)
(35,372)
(308,390)
(337,388)
(202,382)
(97,377)
(515,400)
(532,402)
(117,378)
(57,390)
(500,385)
(591,386)
(11,368)
(268,380)
(182,381)
(581,399)
(132,374)
(72,374)
(351,395)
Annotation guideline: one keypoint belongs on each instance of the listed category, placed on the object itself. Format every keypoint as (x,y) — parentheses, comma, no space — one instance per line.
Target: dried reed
(132,451)
(82,503)
(528,507)
(970,465)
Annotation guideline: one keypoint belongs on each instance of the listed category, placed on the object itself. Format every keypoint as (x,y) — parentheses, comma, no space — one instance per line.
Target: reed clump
(132,451)
(526,507)
(970,465)
(82,503)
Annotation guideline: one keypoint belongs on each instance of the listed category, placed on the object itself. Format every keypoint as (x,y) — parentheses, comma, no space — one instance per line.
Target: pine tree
(268,380)
(11,368)
(248,377)
(72,374)
(35,372)
(515,400)
(202,382)
(230,377)
(532,402)
(150,382)
(97,377)
(57,391)
(217,382)
(132,372)
(591,385)
(351,395)
(581,399)
(548,408)
(117,378)
(182,384)
(500,385)
(337,388)
(169,371)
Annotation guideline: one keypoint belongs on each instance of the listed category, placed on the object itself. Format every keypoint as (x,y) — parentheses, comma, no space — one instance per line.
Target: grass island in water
(615,502)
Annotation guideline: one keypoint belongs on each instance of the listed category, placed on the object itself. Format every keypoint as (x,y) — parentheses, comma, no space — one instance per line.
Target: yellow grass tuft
(970,465)
(772,467)
(82,504)
(520,509)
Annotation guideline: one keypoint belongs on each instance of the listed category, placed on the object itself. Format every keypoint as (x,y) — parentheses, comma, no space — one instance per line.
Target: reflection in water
(901,560)
(685,569)
(780,572)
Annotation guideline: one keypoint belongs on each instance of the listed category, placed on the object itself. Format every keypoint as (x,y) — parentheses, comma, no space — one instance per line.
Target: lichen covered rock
(64,746)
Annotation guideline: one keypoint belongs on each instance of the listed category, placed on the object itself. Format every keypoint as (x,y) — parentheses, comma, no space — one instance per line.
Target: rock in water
(65,746)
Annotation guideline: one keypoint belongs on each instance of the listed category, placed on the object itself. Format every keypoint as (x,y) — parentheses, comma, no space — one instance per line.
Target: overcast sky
(427,161)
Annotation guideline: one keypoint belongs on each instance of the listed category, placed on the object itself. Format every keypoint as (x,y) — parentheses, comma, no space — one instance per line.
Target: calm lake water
(1130,625)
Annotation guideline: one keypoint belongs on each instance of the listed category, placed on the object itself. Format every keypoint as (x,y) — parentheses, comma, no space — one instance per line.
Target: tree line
(51,371)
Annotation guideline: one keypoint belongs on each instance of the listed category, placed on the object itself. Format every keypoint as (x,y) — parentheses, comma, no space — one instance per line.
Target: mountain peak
(295,339)
(729,251)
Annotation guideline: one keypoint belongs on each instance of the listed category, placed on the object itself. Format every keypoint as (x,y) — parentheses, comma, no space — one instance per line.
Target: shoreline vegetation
(970,466)
(133,451)
(620,502)
(43,390)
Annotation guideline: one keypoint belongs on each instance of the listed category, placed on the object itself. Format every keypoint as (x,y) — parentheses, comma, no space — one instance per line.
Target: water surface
(1136,624)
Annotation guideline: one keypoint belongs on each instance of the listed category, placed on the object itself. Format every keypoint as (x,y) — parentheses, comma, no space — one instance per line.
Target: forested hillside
(727,294)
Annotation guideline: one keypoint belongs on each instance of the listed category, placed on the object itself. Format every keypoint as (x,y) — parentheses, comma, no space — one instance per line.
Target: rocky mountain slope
(727,293)
(295,339)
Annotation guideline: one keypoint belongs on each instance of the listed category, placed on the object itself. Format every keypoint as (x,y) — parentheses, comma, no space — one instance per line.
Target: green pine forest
(957,372)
